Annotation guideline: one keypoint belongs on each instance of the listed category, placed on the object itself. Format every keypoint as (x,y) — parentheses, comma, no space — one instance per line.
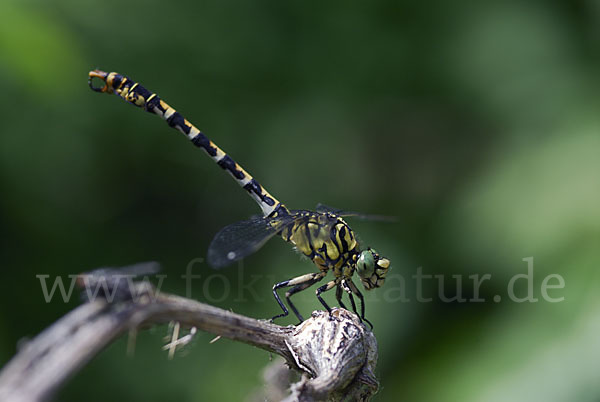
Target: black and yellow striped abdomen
(139,96)
(326,239)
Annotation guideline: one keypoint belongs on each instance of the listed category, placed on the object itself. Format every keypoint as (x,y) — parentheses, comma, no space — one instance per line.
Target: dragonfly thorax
(326,239)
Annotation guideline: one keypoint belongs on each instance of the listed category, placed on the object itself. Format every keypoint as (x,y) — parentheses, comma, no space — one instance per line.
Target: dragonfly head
(372,268)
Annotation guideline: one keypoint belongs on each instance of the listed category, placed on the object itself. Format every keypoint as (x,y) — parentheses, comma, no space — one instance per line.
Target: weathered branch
(335,353)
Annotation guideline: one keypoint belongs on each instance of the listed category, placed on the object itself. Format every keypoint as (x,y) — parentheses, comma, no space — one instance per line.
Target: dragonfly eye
(372,268)
(365,264)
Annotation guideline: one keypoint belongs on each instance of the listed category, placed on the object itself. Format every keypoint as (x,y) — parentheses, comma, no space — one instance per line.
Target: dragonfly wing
(367,217)
(326,208)
(239,240)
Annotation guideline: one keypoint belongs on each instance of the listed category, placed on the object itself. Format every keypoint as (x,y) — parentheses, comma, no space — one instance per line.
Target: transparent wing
(368,217)
(241,239)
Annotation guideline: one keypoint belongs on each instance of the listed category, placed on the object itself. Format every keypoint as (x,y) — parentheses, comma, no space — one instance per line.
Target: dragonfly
(321,235)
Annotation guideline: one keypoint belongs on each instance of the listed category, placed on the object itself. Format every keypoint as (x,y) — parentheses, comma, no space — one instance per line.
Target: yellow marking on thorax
(314,236)
(300,238)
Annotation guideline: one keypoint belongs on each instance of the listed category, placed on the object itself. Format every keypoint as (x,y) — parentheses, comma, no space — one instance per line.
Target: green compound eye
(365,264)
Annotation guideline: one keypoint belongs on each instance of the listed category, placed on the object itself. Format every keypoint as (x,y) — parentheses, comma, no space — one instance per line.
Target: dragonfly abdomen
(139,96)
(266,201)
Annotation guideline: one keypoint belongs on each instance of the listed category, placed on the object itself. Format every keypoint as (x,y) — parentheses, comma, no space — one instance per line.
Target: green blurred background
(475,123)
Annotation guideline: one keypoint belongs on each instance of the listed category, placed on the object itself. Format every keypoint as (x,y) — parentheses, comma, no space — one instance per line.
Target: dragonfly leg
(300,283)
(355,290)
(297,289)
(338,296)
(328,286)
(349,291)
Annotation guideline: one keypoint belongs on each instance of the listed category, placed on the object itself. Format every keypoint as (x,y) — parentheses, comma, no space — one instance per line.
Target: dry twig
(335,353)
